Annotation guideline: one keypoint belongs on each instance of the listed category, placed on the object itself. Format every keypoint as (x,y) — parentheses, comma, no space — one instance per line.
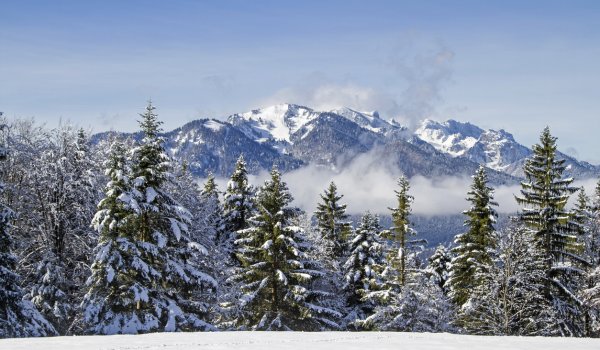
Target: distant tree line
(119,238)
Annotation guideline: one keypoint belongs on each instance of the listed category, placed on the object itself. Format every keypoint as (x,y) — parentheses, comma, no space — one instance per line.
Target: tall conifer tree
(363,269)
(110,306)
(238,204)
(276,273)
(147,282)
(544,197)
(590,291)
(212,209)
(332,220)
(509,300)
(401,229)
(474,248)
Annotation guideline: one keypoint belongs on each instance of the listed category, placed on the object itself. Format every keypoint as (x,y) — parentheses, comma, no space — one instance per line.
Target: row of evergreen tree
(165,254)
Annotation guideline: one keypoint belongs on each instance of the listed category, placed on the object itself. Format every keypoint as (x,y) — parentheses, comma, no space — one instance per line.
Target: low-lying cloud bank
(372,189)
(366,186)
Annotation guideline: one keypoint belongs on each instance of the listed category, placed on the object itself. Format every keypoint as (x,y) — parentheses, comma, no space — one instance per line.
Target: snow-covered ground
(297,340)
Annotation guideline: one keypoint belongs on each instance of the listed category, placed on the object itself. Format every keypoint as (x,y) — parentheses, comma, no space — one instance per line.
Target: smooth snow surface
(297,340)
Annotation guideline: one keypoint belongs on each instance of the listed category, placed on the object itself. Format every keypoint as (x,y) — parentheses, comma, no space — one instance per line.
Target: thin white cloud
(418,73)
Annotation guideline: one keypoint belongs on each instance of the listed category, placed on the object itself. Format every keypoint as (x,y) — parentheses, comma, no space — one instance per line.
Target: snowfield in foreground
(296,340)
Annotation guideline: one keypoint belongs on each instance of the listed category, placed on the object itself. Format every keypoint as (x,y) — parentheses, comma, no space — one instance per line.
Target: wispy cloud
(417,70)
(425,68)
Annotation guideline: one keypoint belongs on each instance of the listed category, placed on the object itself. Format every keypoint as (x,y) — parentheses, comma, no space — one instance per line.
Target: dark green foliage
(401,229)
(544,197)
(474,248)
(332,221)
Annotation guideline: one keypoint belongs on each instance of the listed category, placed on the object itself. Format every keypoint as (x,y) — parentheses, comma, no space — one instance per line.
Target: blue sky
(518,65)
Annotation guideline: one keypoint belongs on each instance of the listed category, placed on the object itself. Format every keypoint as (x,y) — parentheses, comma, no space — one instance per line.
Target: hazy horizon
(511,65)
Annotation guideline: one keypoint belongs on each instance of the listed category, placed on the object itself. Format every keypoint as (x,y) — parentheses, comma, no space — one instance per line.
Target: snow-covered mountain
(279,125)
(370,121)
(273,125)
(292,136)
(496,149)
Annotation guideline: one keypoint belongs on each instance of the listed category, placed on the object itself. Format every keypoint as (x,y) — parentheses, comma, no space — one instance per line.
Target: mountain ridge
(292,136)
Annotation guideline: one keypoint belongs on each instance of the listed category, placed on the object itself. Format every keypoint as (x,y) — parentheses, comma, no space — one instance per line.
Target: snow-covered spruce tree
(109,307)
(332,221)
(474,248)
(87,193)
(18,317)
(276,275)
(401,230)
(420,306)
(510,299)
(544,197)
(439,267)
(238,204)
(320,255)
(586,213)
(163,222)
(210,187)
(151,258)
(212,209)
(582,216)
(590,291)
(363,269)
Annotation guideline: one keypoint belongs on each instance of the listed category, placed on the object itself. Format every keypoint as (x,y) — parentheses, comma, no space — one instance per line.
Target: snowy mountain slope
(298,340)
(273,125)
(335,138)
(496,149)
(413,159)
(332,140)
(369,121)
(209,145)
(451,137)
(277,124)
